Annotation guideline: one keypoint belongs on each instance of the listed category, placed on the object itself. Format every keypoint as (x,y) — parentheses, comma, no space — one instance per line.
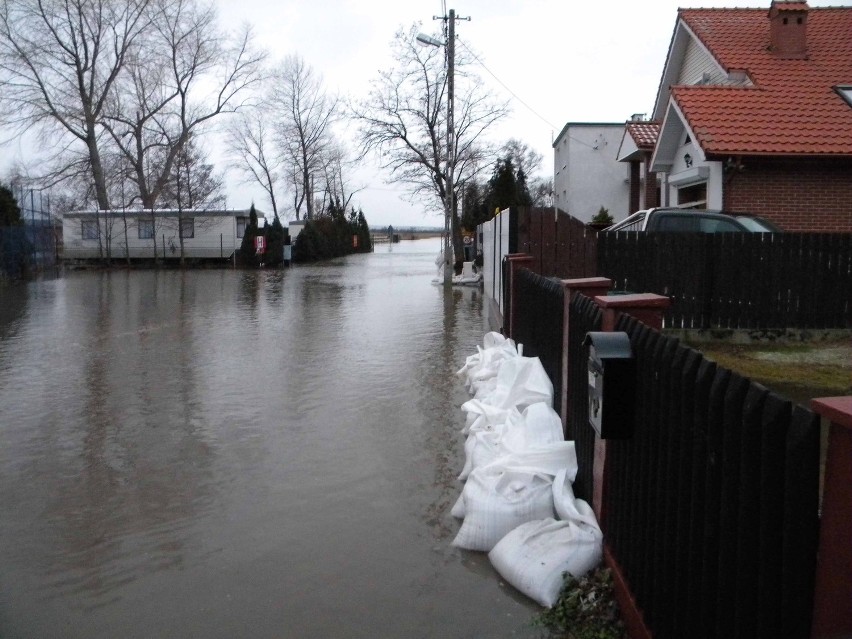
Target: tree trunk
(97,169)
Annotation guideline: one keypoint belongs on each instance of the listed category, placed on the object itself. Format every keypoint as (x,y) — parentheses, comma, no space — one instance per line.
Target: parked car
(662,220)
(757,224)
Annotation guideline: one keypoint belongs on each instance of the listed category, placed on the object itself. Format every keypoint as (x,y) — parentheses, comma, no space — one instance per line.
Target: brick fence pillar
(516,261)
(833,588)
(590,287)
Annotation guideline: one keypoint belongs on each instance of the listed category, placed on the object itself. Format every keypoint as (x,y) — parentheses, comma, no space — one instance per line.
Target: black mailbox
(612,384)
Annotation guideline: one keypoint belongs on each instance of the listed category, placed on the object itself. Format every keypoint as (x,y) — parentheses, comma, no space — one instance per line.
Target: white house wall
(587,174)
(682,175)
(699,67)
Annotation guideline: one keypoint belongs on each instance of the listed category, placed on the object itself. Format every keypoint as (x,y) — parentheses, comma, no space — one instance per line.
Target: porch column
(651,197)
(635,188)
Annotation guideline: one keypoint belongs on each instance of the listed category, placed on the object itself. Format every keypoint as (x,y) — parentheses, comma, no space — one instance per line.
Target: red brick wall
(798,195)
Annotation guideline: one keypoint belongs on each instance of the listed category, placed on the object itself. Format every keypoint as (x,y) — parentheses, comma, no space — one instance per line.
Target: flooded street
(220,453)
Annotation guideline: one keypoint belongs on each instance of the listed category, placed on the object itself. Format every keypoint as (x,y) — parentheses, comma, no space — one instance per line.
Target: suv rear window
(696,223)
(719,226)
(679,223)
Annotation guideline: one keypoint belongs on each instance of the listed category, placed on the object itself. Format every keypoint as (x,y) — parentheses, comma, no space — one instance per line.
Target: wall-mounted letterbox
(612,384)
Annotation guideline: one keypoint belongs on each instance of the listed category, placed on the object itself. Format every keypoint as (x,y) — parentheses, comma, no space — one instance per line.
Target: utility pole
(449,253)
(450,44)
(449,167)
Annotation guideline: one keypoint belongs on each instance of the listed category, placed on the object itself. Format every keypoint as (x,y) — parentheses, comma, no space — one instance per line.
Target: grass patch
(800,371)
(586,609)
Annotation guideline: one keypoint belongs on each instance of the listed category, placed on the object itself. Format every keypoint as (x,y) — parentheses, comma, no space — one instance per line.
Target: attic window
(845,92)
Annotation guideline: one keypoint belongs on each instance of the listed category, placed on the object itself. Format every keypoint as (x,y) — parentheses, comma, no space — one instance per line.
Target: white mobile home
(146,234)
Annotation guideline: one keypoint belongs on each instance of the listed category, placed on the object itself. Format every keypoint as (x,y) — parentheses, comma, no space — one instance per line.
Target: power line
(514,95)
(503,84)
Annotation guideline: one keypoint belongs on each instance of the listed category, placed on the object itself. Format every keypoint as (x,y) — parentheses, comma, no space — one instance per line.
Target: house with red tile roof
(755,115)
(637,147)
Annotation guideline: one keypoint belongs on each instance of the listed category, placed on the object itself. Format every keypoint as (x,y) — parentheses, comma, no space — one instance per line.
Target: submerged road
(226,453)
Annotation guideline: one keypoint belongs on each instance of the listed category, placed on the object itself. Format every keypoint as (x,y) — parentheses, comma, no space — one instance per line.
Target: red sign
(259,246)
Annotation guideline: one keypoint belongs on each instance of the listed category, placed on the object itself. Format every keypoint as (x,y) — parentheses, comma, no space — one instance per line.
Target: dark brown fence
(539,303)
(583,316)
(711,508)
(561,245)
(736,280)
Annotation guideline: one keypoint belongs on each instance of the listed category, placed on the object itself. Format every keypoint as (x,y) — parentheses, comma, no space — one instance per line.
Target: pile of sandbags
(517,503)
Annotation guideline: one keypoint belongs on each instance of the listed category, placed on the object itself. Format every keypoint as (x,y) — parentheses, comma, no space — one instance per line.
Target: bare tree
(183,74)
(305,115)
(336,170)
(524,158)
(194,185)
(253,154)
(403,121)
(60,59)
(186,74)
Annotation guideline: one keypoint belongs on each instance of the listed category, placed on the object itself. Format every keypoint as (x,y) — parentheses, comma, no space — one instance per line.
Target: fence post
(832,617)
(648,308)
(590,287)
(516,261)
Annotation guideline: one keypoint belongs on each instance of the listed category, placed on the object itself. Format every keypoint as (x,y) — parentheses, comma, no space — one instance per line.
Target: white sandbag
(497,500)
(521,381)
(534,556)
(564,501)
(482,388)
(458,510)
(538,432)
(548,459)
(541,425)
(493,339)
(481,448)
(481,416)
(484,365)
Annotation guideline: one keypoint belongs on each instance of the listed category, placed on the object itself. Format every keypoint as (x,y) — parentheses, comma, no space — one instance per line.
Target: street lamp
(450,46)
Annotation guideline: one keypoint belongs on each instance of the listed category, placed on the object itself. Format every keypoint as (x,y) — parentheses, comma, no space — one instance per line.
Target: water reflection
(12,309)
(133,462)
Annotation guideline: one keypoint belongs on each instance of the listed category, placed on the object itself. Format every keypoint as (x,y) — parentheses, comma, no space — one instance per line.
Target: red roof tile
(644,134)
(791,6)
(792,108)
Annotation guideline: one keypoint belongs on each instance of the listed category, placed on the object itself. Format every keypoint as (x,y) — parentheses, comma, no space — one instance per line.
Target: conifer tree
(275,237)
(248,255)
(10,212)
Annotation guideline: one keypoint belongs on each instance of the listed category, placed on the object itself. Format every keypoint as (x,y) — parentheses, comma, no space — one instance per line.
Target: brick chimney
(788,22)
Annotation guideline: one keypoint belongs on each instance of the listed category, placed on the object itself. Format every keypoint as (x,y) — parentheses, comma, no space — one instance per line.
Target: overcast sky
(565,61)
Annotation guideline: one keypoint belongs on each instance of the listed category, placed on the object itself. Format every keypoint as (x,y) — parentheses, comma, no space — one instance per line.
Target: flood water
(220,453)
